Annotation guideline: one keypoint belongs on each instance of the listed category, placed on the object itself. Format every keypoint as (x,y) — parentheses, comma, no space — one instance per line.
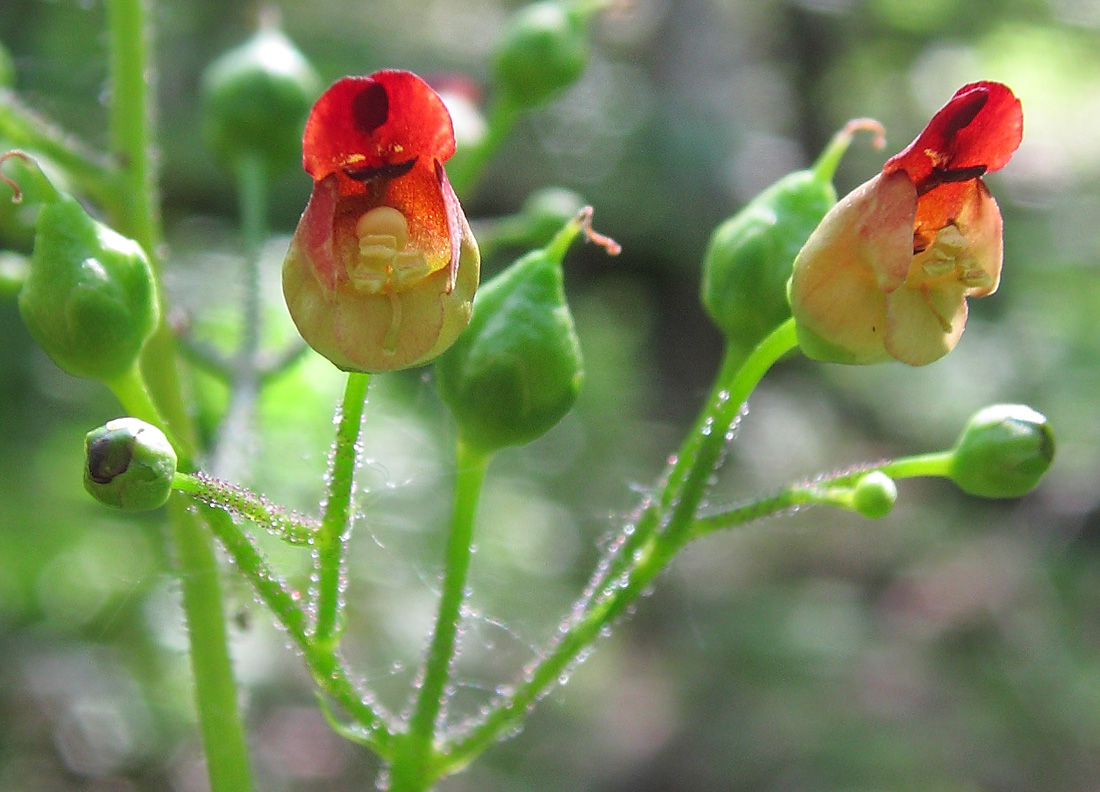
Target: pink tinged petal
(456,222)
(313,238)
(861,250)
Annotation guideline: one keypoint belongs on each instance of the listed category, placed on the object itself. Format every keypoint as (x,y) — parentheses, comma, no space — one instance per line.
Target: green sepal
(90,298)
(256,98)
(543,50)
(517,368)
(1003,452)
(129,464)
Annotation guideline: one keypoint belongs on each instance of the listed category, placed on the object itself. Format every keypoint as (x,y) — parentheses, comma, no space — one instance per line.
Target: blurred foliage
(950,647)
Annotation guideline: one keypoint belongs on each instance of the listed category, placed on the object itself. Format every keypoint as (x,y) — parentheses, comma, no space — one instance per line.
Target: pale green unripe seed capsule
(255,100)
(874,495)
(1004,451)
(129,464)
(90,299)
(543,50)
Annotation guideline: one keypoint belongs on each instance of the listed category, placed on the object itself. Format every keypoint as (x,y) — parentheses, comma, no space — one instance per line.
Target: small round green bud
(1003,452)
(874,495)
(543,50)
(256,98)
(129,464)
(517,368)
(750,256)
(90,298)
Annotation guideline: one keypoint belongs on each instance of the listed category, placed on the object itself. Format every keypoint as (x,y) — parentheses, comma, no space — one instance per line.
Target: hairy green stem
(131,127)
(215,688)
(90,173)
(291,527)
(236,438)
(138,216)
(412,769)
(336,520)
(285,603)
(662,529)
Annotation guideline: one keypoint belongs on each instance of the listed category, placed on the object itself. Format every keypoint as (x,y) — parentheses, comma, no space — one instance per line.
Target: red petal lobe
(979,128)
(388,118)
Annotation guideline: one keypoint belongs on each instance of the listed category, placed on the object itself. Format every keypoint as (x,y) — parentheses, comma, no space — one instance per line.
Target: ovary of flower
(385,263)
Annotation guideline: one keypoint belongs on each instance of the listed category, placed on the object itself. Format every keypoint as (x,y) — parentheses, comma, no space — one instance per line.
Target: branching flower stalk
(381,275)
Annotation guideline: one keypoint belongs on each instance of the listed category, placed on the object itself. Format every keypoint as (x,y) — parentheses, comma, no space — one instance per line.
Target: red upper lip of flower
(976,132)
(380,125)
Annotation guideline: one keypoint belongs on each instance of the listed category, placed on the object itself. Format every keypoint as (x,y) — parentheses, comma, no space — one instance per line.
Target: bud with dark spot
(129,464)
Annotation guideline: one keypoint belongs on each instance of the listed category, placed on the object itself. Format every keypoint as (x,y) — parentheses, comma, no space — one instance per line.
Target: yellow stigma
(385,263)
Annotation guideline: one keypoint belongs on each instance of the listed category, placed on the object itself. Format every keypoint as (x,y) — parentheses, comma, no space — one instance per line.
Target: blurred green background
(953,646)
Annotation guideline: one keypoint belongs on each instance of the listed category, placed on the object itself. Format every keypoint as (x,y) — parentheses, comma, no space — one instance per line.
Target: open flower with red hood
(887,273)
(382,269)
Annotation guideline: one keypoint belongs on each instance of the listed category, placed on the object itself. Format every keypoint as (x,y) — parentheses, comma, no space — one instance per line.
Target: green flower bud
(129,464)
(544,49)
(256,98)
(1003,452)
(751,255)
(748,261)
(90,298)
(517,369)
(38,182)
(874,495)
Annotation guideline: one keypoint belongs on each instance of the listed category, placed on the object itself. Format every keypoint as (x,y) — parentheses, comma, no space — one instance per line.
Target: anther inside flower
(382,269)
(887,273)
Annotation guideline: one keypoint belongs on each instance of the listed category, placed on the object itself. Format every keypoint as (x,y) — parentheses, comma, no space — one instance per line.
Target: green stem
(336,520)
(821,491)
(661,530)
(131,127)
(412,768)
(291,527)
(236,438)
(21,127)
(328,672)
(131,136)
(722,413)
(215,688)
(937,463)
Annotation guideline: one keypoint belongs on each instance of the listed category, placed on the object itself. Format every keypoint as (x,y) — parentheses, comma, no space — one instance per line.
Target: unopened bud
(90,298)
(874,495)
(256,98)
(129,464)
(517,369)
(1004,451)
(543,50)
